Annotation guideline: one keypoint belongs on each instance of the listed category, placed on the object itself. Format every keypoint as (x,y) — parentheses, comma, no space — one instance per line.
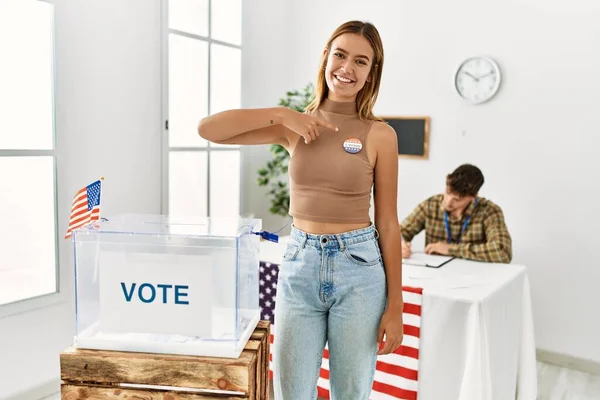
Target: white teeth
(342,79)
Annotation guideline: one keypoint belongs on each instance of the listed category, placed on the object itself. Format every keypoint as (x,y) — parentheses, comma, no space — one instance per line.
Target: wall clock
(477,79)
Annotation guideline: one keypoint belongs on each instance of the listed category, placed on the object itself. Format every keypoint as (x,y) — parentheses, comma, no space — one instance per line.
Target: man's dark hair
(465,180)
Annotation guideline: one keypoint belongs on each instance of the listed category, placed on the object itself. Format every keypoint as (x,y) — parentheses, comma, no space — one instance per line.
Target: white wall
(535,142)
(108,124)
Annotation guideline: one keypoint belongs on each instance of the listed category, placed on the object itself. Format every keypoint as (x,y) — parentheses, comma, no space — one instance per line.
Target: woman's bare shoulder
(382,134)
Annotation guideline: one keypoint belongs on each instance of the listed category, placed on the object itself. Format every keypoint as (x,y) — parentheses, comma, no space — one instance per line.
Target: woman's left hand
(393,327)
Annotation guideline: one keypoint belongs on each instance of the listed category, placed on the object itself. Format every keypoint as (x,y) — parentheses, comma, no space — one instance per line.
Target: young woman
(340,280)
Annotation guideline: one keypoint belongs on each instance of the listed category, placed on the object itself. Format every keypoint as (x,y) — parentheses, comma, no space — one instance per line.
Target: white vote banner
(155,293)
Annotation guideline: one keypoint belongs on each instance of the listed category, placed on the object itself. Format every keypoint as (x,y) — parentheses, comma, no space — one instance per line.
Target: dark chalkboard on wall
(413,135)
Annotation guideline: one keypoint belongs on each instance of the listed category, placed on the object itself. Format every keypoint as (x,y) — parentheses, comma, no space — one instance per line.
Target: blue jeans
(331,288)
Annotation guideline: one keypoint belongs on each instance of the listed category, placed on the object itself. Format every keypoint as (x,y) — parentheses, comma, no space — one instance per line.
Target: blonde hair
(366,97)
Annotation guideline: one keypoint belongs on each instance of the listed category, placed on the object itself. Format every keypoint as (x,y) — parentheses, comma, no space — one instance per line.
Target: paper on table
(426,260)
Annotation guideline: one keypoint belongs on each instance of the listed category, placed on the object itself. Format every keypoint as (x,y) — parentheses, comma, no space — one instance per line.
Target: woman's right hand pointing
(306,125)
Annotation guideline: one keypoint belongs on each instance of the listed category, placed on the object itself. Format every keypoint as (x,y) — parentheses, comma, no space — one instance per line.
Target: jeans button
(324,240)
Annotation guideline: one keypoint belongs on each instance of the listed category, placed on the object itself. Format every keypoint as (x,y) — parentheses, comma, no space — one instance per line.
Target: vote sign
(156,294)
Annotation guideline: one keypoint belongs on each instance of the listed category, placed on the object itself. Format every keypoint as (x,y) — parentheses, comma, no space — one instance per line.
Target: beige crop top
(329,180)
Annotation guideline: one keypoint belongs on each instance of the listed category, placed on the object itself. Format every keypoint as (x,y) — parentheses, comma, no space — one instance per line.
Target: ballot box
(160,284)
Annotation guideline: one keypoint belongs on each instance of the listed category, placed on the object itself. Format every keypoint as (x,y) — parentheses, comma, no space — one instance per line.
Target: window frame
(57,296)
(166,149)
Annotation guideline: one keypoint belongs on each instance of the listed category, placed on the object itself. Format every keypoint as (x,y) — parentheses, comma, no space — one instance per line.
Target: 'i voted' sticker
(352,146)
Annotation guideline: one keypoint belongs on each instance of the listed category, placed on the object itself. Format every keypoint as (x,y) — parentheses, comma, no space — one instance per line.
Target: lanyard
(464,227)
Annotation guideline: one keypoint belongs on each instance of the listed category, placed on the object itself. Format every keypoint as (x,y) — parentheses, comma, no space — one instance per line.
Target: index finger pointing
(327,124)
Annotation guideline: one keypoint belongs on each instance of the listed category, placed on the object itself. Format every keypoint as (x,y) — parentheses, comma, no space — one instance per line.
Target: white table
(477,340)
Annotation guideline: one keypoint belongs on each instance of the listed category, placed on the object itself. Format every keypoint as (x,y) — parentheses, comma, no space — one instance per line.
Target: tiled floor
(555,383)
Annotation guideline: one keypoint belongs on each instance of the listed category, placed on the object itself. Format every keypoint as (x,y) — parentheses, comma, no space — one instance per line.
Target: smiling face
(349,62)
(350,68)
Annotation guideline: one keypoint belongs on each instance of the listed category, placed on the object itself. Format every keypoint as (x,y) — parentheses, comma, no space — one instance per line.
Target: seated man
(459,223)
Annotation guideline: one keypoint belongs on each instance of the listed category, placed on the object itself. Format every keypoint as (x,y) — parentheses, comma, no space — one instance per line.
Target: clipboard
(427,260)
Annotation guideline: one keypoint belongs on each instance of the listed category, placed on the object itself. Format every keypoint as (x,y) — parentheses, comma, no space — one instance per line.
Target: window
(28,216)
(202,50)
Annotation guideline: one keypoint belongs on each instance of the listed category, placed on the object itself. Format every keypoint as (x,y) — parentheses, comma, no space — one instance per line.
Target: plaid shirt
(486,238)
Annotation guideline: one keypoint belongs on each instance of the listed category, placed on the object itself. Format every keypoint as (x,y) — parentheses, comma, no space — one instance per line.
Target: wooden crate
(116,375)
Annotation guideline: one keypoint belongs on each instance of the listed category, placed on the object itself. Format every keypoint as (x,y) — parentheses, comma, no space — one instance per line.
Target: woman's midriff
(324,228)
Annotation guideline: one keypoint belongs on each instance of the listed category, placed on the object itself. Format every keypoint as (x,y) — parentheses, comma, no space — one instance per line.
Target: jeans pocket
(291,252)
(364,253)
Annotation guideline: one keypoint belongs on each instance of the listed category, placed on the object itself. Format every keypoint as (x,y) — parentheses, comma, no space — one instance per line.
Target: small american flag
(86,207)
(396,375)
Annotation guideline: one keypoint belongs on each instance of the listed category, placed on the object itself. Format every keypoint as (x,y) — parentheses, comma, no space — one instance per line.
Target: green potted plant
(274,173)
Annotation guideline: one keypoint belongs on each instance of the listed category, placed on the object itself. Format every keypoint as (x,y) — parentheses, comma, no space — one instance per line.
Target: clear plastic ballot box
(157,284)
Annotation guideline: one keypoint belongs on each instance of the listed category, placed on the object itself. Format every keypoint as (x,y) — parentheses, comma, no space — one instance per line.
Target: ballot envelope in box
(158,284)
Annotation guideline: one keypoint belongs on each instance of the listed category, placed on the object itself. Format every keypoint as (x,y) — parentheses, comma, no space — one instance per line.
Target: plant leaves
(277,167)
